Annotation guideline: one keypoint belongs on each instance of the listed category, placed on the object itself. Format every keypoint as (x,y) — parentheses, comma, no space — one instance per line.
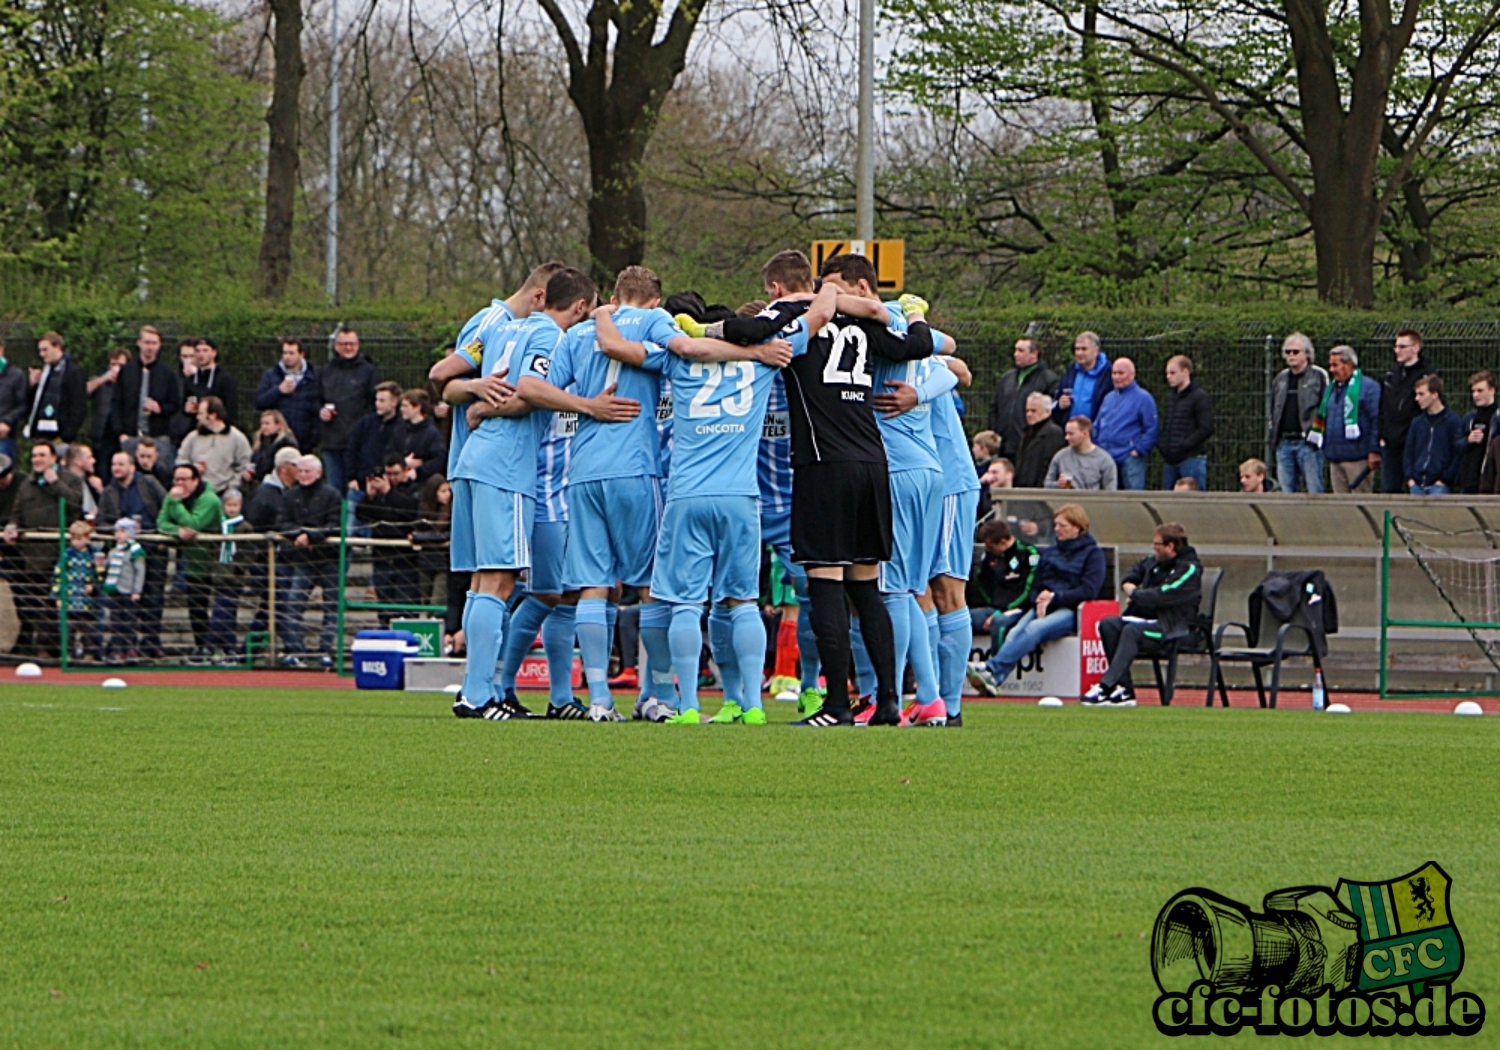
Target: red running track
(272,679)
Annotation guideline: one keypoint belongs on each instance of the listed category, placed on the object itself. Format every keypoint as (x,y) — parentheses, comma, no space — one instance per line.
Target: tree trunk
(617,208)
(1416,248)
(284,156)
(1343,145)
(1345,225)
(619,93)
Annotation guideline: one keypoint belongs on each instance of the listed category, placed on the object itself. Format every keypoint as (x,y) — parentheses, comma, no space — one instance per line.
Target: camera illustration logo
(1373,958)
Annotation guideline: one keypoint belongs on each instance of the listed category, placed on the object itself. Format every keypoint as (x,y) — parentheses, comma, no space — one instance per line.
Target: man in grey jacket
(1083,464)
(1296,393)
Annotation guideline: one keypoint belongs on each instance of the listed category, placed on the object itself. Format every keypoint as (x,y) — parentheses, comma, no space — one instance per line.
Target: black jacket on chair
(1301,597)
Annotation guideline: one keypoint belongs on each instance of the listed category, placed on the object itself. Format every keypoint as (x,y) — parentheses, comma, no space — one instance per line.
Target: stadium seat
(1312,644)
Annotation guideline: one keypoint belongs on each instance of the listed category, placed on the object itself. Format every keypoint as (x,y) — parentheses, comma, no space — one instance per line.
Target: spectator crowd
(1329,429)
(154,474)
(159,463)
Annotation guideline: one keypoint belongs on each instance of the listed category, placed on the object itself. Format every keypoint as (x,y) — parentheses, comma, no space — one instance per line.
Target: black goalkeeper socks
(830,623)
(880,637)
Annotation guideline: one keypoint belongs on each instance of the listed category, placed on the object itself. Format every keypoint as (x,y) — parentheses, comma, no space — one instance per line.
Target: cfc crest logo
(1374,958)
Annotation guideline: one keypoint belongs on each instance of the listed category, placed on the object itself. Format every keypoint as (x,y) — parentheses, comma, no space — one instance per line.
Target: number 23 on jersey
(708,403)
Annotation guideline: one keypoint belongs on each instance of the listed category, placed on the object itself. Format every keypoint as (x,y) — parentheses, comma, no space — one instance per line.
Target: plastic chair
(1293,640)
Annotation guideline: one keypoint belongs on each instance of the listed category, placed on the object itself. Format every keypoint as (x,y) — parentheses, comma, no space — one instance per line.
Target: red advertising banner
(532,673)
(1091,659)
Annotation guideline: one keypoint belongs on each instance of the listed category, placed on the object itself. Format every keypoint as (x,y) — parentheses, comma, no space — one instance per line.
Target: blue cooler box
(380,658)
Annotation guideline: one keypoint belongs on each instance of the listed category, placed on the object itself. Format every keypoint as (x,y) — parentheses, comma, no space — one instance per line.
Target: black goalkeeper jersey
(774,320)
(828,389)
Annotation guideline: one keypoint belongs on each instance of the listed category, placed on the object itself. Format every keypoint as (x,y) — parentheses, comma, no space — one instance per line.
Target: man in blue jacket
(1127,425)
(1347,425)
(1084,383)
(1435,443)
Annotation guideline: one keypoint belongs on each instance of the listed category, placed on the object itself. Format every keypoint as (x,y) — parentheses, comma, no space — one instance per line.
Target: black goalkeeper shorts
(841,514)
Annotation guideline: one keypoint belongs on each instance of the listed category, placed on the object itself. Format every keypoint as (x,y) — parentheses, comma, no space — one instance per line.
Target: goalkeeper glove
(690,326)
(912,304)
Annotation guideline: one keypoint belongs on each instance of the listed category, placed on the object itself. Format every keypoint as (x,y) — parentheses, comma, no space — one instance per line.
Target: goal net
(1449,581)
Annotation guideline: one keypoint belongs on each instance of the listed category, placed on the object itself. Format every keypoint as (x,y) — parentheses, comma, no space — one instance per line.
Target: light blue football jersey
(614,450)
(909,441)
(470,346)
(718,411)
(554,463)
(774,459)
(503,452)
(952,444)
(947,424)
(664,424)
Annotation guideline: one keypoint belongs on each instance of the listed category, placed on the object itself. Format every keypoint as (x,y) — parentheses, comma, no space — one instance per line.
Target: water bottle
(1320,697)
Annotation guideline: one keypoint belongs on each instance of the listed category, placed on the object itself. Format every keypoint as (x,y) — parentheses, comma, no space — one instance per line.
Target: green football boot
(729,713)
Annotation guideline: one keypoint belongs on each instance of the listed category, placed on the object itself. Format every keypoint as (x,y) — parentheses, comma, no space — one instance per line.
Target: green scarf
(1351,411)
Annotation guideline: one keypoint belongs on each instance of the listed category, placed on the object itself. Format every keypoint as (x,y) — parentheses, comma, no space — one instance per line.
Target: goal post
(1454,589)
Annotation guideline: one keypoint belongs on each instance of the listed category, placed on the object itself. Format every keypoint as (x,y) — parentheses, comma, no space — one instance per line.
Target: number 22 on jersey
(850,338)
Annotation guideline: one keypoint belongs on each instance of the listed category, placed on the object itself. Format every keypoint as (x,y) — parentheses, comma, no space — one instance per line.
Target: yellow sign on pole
(888,257)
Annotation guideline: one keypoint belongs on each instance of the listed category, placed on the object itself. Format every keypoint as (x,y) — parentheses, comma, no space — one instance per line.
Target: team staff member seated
(1162,591)
(1068,574)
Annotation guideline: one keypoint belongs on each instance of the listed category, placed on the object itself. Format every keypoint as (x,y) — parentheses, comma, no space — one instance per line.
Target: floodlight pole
(332,276)
(864,169)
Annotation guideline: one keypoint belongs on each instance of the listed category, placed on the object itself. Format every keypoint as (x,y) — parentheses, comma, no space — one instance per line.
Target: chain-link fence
(1236,369)
(85,598)
(402,350)
(1237,372)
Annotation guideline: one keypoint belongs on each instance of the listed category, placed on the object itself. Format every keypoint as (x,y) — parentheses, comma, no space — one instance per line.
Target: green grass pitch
(183,868)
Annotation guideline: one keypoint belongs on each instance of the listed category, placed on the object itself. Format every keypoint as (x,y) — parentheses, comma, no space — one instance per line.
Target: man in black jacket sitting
(309,515)
(1163,591)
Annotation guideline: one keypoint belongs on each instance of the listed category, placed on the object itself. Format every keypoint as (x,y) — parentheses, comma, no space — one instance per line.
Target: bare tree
(618,92)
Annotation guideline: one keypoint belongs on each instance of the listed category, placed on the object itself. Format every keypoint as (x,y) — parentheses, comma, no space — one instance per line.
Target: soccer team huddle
(600,446)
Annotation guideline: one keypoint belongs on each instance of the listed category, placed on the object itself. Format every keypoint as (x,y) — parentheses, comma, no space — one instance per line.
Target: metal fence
(1236,372)
(243,600)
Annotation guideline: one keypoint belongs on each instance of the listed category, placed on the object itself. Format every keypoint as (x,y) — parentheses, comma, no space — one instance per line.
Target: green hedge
(93,326)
